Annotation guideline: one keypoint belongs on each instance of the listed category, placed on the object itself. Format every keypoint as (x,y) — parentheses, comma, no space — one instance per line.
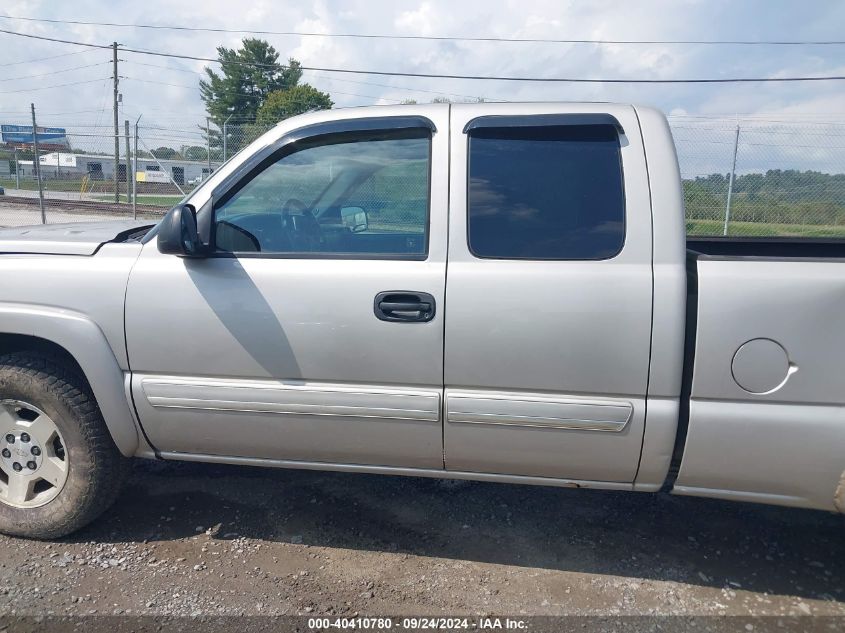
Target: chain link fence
(743,177)
(81,180)
(762,177)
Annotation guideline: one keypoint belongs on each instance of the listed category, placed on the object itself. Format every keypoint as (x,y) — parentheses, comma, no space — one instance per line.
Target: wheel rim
(33,459)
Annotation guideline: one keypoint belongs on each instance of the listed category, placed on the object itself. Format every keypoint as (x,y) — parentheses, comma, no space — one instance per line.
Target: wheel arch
(79,342)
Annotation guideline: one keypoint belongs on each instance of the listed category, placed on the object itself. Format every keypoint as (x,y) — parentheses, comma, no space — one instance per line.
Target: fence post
(37,165)
(225,130)
(135,174)
(17,171)
(731,183)
(128,161)
(207,145)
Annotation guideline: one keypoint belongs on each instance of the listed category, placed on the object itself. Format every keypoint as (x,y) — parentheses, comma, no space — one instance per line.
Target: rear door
(549,292)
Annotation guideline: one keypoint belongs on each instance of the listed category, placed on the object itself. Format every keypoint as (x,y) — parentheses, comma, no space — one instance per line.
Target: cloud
(178,106)
(419,22)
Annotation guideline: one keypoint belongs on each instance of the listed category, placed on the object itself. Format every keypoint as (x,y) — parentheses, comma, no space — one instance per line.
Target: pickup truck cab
(499,292)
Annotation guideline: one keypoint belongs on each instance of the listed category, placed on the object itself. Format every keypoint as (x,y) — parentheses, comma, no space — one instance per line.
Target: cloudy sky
(86,101)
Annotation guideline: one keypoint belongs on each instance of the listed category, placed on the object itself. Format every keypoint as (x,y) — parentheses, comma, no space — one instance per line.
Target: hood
(79,238)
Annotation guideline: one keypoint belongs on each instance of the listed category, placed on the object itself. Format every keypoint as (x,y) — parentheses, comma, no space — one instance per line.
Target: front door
(314,331)
(549,293)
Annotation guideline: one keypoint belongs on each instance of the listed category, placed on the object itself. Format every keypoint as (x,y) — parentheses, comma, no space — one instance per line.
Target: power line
(246,94)
(54,39)
(436,38)
(315,73)
(181,70)
(403,88)
(165,83)
(55,72)
(72,83)
(42,59)
(578,80)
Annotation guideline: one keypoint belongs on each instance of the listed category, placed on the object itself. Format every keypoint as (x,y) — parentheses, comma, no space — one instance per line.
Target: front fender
(85,341)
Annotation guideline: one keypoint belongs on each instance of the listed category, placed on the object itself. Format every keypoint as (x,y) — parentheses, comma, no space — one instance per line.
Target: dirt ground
(192,539)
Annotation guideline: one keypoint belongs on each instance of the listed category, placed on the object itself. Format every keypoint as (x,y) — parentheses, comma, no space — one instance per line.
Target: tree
(283,104)
(194,152)
(165,153)
(247,76)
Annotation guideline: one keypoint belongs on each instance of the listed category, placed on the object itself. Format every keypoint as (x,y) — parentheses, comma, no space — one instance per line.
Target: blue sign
(23,134)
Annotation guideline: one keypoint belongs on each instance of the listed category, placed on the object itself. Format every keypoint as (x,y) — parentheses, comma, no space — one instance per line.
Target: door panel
(281,356)
(341,423)
(554,353)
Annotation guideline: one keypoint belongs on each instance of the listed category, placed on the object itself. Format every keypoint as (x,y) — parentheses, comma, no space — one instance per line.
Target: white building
(101,167)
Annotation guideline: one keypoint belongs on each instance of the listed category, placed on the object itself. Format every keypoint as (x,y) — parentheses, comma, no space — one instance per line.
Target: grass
(104,188)
(758,229)
(47,184)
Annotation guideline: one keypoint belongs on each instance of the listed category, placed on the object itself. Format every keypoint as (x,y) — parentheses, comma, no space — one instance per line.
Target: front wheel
(59,467)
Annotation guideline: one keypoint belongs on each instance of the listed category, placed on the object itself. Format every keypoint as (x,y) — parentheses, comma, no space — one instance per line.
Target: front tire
(59,467)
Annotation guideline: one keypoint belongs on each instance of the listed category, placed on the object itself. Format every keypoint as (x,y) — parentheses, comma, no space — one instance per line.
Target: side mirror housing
(354,218)
(178,233)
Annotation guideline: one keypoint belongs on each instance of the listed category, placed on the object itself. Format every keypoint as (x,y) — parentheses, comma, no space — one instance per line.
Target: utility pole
(135,174)
(731,184)
(128,163)
(37,164)
(116,126)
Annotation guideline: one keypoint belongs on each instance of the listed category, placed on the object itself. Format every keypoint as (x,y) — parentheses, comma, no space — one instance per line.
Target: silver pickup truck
(499,292)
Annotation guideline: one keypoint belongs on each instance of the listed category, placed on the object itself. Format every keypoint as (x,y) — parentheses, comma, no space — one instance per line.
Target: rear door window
(546,193)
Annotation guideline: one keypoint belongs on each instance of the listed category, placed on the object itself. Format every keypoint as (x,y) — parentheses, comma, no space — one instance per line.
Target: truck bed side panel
(767,421)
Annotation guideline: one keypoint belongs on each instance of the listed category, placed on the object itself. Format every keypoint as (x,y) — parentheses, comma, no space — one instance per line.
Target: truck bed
(766,247)
(763,409)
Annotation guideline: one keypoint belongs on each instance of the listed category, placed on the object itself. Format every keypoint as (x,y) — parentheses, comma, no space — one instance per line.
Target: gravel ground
(193,539)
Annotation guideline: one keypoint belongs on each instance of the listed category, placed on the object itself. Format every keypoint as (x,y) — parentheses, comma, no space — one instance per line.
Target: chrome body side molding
(338,422)
(272,397)
(538,411)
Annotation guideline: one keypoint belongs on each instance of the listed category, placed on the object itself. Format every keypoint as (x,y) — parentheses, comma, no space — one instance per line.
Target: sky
(82,97)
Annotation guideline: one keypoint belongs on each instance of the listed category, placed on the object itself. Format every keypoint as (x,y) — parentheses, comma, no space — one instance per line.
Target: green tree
(247,75)
(194,152)
(165,153)
(283,104)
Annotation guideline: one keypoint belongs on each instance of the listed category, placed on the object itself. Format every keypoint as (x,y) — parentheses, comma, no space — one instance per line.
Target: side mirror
(178,234)
(354,218)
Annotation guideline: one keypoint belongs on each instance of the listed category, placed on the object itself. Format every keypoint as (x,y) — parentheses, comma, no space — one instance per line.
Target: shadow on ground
(779,551)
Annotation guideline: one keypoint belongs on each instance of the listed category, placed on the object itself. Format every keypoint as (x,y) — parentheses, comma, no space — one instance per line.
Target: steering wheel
(301,226)
(294,206)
